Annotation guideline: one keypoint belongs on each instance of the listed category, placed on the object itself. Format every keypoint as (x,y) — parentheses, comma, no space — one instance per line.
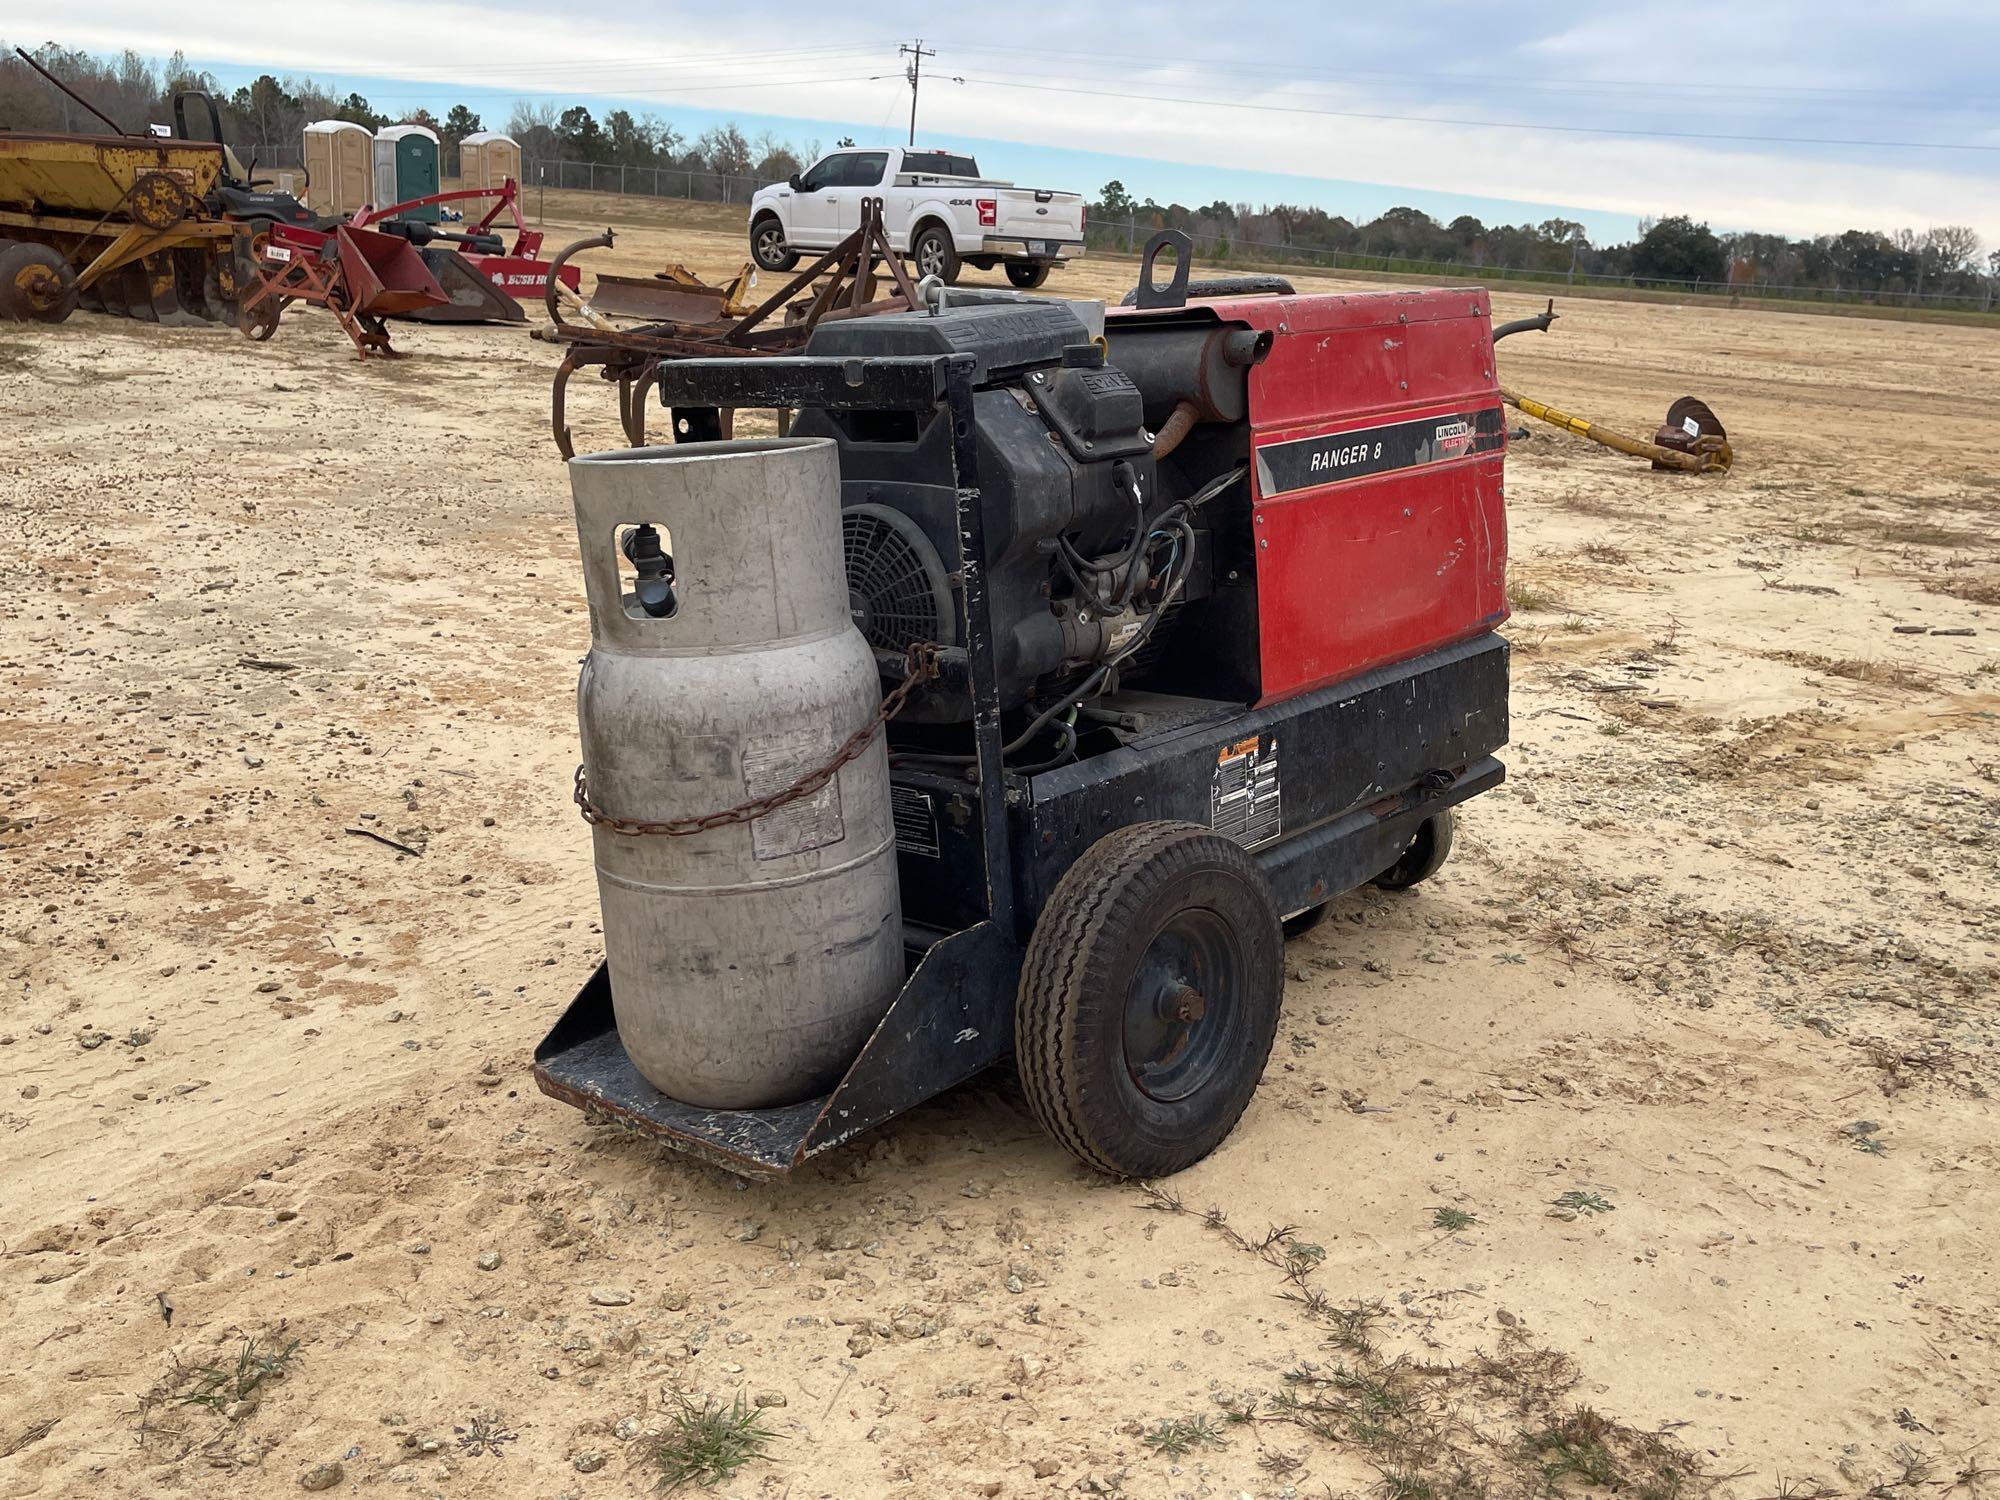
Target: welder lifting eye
(654,585)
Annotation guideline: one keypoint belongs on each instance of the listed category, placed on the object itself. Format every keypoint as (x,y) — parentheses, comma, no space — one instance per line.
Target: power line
(1356,114)
(574,95)
(1679,87)
(1303,79)
(669,62)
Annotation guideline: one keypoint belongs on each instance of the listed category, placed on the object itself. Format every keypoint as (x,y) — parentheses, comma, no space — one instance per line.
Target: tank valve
(654,588)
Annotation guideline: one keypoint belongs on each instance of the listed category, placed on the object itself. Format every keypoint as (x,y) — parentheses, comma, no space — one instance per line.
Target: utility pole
(915,73)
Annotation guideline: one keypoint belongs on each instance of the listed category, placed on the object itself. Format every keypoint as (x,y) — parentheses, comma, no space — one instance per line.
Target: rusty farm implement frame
(688,320)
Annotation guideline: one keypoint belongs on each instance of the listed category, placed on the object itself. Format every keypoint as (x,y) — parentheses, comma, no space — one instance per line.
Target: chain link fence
(691,183)
(1230,248)
(1225,247)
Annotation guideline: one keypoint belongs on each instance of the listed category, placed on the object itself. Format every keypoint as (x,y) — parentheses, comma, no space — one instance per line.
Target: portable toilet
(486,160)
(339,158)
(406,167)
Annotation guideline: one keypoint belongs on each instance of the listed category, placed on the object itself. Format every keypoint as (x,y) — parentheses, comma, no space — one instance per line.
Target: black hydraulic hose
(1539,323)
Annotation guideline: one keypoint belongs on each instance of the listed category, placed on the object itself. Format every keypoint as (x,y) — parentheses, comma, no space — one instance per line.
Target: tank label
(1328,458)
(916,821)
(1245,799)
(772,762)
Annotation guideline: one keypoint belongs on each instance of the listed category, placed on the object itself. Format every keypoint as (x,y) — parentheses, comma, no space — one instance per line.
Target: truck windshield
(940,164)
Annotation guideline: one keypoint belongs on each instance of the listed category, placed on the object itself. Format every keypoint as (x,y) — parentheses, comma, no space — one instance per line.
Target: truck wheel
(1149,998)
(768,247)
(1426,854)
(35,284)
(935,254)
(1028,274)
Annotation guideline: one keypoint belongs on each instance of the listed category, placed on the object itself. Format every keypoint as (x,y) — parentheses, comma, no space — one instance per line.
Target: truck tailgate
(1039,215)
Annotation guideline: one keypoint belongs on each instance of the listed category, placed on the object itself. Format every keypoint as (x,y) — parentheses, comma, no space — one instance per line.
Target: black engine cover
(1048,433)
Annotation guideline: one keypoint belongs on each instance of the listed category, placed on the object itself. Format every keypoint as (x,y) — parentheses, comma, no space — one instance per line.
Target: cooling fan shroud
(898,591)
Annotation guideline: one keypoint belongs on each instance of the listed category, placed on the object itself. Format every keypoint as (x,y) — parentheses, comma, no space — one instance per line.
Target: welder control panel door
(1377,463)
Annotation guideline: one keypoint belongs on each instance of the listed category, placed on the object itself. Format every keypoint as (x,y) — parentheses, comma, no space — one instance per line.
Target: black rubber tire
(24,263)
(767,245)
(1428,849)
(1299,923)
(1028,274)
(1086,972)
(935,255)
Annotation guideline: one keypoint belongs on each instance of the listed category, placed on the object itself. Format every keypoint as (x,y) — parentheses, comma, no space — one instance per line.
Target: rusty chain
(920,663)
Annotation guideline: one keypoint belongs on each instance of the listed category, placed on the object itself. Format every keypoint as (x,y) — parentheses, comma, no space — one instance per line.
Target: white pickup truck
(936,208)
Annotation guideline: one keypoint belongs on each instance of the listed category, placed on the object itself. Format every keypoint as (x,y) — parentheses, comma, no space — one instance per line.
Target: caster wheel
(1426,854)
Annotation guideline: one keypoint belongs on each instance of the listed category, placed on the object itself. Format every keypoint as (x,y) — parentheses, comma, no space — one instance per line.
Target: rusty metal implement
(1690,440)
(687,319)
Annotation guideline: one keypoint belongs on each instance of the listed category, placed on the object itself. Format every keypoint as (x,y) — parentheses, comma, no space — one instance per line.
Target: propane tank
(749,961)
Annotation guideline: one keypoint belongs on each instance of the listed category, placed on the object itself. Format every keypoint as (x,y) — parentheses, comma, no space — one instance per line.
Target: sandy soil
(1718,965)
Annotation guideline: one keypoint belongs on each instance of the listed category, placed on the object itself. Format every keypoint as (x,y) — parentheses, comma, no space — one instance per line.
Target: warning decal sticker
(1244,796)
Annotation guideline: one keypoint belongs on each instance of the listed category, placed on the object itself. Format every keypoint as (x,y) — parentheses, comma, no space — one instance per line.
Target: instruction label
(1245,795)
(772,762)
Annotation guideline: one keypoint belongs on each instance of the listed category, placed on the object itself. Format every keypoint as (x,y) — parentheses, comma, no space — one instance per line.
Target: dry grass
(1530,598)
(1855,669)
(1920,534)
(1495,1426)
(1981,590)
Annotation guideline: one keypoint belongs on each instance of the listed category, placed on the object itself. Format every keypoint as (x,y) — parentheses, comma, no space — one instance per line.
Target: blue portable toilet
(406,167)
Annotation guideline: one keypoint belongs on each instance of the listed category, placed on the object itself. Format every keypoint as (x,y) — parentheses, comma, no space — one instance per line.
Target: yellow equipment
(117,222)
(1708,451)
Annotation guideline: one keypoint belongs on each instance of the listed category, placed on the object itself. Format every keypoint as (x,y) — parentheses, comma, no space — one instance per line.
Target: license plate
(1038,247)
(277,252)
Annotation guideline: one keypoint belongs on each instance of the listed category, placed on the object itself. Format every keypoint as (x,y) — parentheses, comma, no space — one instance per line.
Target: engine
(1113,524)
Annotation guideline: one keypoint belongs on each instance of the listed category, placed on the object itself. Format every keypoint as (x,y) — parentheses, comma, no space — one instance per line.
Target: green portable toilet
(406,167)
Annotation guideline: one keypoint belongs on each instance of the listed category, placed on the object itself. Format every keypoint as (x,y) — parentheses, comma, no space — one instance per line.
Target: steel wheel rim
(1181,1008)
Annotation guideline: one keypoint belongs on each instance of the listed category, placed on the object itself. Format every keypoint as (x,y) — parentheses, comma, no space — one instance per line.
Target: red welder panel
(1379,439)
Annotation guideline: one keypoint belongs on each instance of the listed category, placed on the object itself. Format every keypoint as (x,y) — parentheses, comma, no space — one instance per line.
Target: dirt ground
(1651,1144)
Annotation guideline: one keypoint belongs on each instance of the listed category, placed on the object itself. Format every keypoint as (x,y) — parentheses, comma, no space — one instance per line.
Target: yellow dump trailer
(118,224)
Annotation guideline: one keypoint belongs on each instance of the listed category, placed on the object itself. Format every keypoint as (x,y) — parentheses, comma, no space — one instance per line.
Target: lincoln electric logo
(1455,436)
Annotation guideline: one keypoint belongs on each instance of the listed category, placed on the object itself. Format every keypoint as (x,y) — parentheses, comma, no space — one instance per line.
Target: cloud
(1777,68)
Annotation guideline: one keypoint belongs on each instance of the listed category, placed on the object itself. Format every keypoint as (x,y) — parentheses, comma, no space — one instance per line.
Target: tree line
(266,118)
(1944,261)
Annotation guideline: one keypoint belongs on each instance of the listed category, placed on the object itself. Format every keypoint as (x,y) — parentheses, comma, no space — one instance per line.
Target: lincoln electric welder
(1056,666)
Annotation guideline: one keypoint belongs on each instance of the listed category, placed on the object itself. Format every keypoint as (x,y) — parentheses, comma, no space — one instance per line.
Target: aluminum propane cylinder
(749,962)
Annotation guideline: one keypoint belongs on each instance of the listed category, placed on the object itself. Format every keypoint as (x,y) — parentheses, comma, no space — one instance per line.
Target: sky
(1797,116)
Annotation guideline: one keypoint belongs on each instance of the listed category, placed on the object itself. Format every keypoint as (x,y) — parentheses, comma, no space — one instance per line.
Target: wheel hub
(40,287)
(1179,1010)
